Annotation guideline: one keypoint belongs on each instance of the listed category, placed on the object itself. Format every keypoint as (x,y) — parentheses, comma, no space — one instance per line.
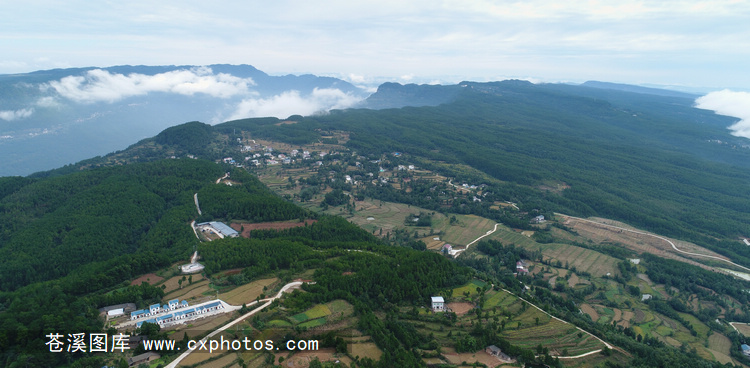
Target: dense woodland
(643,159)
(71,239)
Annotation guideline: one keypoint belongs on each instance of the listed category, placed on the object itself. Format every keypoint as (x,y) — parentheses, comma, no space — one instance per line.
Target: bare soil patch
(639,316)
(626,317)
(743,328)
(150,278)
(247,227)
(460,308)
(588,309)
(173,283)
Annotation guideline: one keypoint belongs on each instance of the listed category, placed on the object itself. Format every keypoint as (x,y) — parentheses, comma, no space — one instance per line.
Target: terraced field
(321,313)
(556,336)
(719,346)
(320,310)
(583,259)
(499,299)
(471,288)
(470,227)
(248,292)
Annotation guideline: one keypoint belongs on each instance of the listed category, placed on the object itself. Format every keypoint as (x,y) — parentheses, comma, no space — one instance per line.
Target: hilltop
(56,117)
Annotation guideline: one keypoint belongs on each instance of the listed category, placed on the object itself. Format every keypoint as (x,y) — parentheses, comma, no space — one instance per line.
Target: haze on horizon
(682,43)
(691,45)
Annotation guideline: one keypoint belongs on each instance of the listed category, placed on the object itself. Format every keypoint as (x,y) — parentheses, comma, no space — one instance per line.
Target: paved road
(267,302)
(661,238)
(222,178)
(195,198)
(456,253)
(566,322)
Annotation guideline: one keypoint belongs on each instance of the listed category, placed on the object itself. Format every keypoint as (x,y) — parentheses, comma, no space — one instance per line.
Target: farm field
(365,349)
(556,336)
(639,243)
(373,215)
(150,278)
(593,262)
(248,292)
(192,293)
(246,227)
(719,346)
(470,358)
(469,228)
(173,283)
(470,288)
(223,361)
(303,359)
(322,313)
(506,235)
(743,328)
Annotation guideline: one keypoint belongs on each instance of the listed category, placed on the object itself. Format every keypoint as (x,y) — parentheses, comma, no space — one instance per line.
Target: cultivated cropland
(501,224)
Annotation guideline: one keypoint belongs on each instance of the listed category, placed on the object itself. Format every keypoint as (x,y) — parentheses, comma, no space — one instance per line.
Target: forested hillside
(71,239)
(71,242)
(652,161)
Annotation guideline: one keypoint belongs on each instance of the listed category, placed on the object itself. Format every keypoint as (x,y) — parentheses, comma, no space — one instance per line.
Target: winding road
(540,309)
(267,301)
(489,232)
(658,237)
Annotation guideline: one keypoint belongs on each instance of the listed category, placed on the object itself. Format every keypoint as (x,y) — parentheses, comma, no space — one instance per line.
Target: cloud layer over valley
(291,103)
(729,103)
(100,85)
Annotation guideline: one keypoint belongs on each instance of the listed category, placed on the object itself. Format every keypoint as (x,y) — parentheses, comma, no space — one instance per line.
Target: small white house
(116,312)
(438,304)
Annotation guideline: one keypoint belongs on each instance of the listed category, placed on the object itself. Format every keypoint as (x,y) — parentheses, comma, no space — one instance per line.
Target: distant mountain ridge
(638,89)
(50,118)
(395,95)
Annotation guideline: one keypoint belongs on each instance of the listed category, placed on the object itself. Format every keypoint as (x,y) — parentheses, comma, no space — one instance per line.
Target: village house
(438,304)
(496,352)
(521,268)
(144,358)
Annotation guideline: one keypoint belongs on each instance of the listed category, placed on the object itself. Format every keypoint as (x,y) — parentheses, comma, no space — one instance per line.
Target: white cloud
(10,115)
(292,103)
(48,101)
(101,85)
(730,103)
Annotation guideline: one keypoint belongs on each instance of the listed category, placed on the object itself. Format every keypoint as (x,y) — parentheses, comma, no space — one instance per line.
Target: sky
(691,45)
(695,44)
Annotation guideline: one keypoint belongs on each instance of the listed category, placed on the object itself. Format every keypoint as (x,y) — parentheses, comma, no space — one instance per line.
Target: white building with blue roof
(745,350)
(174,312)
(156,309)
(219,228)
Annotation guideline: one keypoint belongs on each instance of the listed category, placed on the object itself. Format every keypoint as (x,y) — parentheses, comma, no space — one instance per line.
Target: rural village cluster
(127,318)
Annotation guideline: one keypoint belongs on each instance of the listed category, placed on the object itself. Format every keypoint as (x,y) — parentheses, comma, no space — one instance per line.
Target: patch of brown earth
(460,308)
(150,278)
(246,228)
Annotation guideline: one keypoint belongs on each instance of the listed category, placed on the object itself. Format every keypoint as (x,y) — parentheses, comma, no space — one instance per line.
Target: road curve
(475,240)
(267,301)
(658,237)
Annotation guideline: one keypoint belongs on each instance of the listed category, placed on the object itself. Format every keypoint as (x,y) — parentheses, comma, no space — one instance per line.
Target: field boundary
(658,237)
